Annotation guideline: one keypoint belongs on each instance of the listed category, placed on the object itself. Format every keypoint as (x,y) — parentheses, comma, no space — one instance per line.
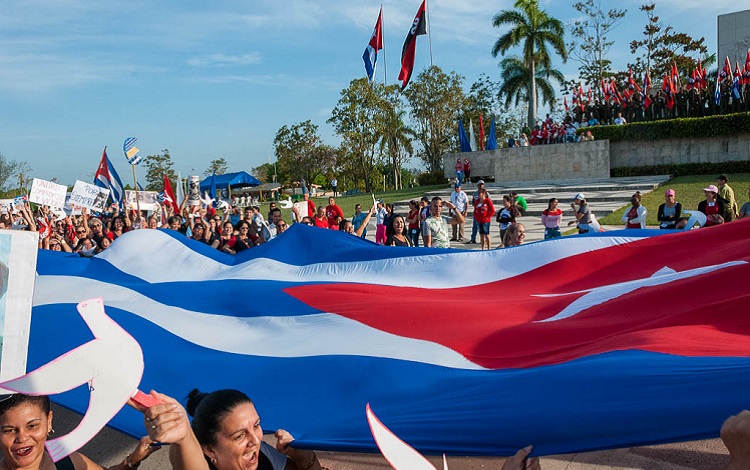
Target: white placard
(72,209)
(302,207)
(47,193)
(89,195)
(18,250)
(148,200)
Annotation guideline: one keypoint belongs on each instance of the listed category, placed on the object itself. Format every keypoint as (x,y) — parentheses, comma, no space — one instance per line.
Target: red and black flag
(418,27)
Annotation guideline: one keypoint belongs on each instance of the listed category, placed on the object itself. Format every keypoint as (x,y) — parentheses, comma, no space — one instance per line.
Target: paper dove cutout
(222,205)
(399,454)
(286,204)
(207,200)
(112,365)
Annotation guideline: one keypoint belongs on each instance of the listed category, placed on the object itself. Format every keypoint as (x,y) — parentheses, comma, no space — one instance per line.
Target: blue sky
(218,79)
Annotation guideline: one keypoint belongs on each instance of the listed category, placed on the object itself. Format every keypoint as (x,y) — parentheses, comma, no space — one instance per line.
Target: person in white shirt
(380,223)
(619,120)
(461,201)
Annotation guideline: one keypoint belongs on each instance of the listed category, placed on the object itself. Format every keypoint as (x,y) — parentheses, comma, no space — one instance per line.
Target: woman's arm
(363,226)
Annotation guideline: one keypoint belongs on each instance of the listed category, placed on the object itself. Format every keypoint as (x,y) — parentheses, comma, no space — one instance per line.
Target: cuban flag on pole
(371,52)
(131,151)
(107,177)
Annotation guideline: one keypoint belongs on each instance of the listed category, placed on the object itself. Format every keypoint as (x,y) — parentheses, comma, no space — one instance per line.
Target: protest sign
(47,193)
(18,251)
(148,200)
(302,209)
(194,191)
(89,196)
(71,209)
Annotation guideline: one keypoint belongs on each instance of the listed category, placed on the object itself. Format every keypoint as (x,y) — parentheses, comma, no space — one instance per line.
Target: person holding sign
(26,422)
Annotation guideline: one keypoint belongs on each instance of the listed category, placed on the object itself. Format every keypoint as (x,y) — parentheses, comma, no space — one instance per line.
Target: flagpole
(429,26)
(137,201)
(385,58)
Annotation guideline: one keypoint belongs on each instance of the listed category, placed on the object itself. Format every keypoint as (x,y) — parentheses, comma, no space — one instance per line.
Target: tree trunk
(532,96)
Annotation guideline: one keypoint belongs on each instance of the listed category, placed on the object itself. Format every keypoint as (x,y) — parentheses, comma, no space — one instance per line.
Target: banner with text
(47,193)
(89,196)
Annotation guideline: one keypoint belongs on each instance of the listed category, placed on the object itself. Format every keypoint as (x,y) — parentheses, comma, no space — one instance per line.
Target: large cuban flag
(573,344)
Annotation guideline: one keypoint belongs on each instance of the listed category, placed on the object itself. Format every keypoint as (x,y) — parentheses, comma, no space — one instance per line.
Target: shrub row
(683,169)
(712,126)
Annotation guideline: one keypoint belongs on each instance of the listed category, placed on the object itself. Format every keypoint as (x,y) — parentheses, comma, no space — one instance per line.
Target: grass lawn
(689,191)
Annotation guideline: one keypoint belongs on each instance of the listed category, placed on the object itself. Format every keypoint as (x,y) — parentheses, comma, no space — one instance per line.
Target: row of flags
(408,52)
(698,80)
(469,143)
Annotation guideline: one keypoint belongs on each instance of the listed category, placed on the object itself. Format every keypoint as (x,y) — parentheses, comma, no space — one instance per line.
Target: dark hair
(425,199)
(11,401)
(275,209)
(174,218)
(549,203)
(390,231)
(637,196)
(437,198)
(209,410)
(241,223)
(723,177)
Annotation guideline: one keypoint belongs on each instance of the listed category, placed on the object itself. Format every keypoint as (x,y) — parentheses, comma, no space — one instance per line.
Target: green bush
(430,178)
(712,126)
(683,169)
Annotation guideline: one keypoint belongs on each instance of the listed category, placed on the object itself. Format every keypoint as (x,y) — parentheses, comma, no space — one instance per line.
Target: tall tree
(516,77)
(662,46)
(395,137)
(436,98)
(156,167)
(534,30)
(590,43)
(295,147)
(357,118)
(10,169)
(265,172)
(218,165)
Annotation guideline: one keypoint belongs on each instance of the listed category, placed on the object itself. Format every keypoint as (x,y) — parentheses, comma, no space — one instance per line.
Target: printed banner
(194,191)
(89,196)
(147,200)
(47,193)
(18,252)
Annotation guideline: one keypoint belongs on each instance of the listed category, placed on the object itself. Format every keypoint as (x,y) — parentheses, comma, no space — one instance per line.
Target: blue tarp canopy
(233,180)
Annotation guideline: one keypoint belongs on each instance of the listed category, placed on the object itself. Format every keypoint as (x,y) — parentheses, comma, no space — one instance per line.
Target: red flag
(727,70)
(565,103)
(675,78)
(631,81)
(746,73)
(418,27)
(668,92)
(169,199)
(481,133)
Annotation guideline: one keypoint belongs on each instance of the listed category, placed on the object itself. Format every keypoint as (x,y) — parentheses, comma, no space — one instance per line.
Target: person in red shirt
(483,212)
(333,210)
(320,219)
(467,170)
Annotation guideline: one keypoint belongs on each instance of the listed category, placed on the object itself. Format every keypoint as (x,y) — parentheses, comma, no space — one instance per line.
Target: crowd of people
(425,224)
(225,434)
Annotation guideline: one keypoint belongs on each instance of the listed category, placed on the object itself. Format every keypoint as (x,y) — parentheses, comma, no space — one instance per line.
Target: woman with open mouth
(25,424)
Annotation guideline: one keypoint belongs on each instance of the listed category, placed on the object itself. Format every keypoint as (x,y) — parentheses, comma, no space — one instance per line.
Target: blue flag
(463,138)
(492,137)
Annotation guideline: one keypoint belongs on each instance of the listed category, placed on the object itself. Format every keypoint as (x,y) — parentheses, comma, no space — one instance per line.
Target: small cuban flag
(131,151)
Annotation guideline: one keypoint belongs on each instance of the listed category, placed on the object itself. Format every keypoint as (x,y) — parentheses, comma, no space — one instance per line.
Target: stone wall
(676,151)
(544,162)
(594,159)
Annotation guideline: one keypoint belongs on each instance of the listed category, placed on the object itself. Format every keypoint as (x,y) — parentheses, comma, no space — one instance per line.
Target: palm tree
(396,141)
(516,77)
(534,29)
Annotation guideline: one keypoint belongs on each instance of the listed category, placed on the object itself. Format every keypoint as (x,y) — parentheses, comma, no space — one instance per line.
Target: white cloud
(223,60)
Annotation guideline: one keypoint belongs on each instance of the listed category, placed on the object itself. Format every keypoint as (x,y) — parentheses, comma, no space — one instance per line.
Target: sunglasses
(282,225)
